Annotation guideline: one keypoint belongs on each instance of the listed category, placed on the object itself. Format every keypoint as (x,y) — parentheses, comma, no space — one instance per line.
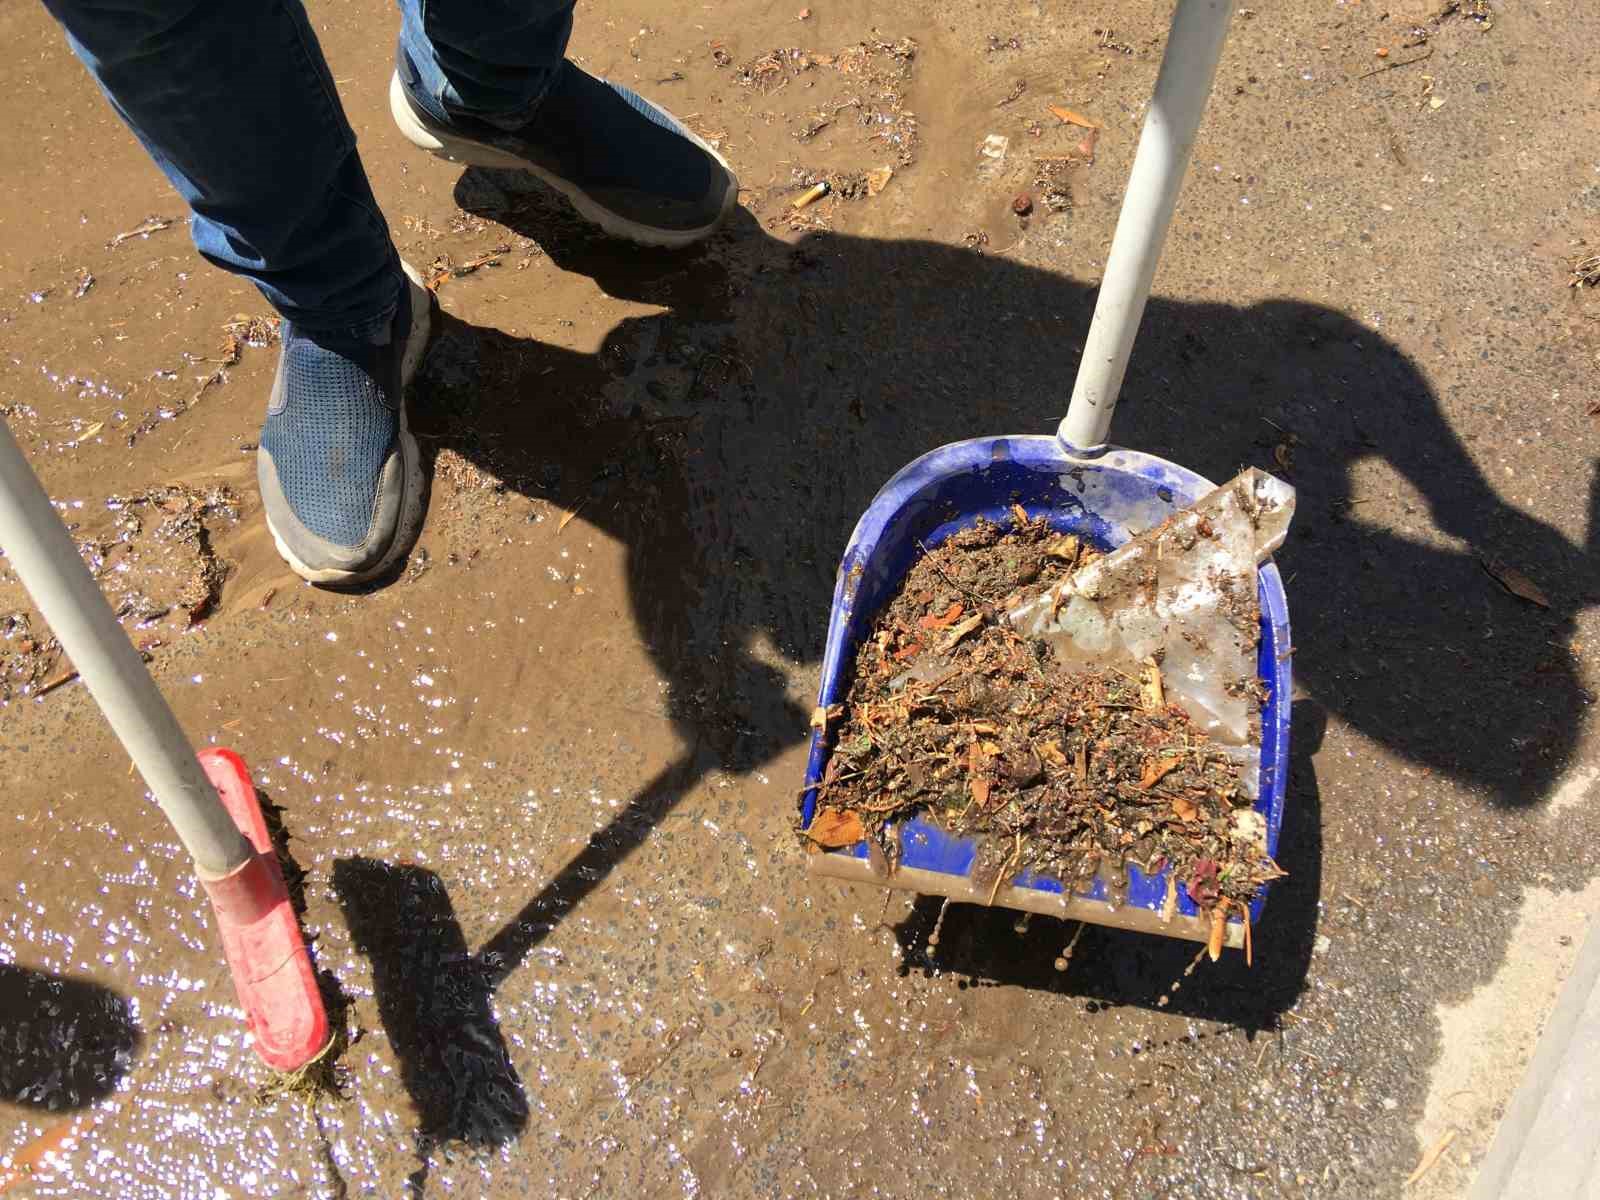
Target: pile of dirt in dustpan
(1062,768)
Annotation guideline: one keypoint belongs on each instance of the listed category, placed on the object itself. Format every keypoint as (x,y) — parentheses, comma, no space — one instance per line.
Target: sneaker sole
(409,526)
(476,154)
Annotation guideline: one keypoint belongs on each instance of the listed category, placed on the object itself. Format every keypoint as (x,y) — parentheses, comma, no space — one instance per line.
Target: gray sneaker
(625,164)
(341,480)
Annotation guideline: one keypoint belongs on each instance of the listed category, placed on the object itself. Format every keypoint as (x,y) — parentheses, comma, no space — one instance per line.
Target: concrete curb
(1548,1142)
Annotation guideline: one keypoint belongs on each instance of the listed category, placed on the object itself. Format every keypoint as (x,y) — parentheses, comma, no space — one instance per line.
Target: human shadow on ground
(731,441)
(64,1042)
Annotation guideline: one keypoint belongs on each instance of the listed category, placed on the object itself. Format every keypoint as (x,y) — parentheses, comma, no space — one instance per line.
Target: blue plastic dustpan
(1104,499)
(1082,486)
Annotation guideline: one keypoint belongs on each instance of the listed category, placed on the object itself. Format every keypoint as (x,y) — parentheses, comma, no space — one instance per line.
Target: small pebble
(1022,205)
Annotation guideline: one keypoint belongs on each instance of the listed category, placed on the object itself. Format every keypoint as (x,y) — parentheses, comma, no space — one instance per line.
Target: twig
(1429,1157)
(50,685)
(945,575)
(1395,66)
(1015,857)
(145,229)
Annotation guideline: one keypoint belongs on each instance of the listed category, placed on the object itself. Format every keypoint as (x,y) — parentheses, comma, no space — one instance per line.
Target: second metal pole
(1194,46)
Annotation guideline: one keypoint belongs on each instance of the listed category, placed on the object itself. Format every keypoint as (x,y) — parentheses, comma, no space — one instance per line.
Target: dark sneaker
(624,163)
(340,477)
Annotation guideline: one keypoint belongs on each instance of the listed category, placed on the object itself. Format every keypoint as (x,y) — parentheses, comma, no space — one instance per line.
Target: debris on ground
(1015,94)
(811,195)
(1106,39)
(1052,178)
(1515,582)
(1068,117)
(142,230)
(443,268)
(246,330)
(1054,764)
(27,658)
(874,73)
(154,559)
(1586,272)
(992,155)
(1430,1156)
(1473,10)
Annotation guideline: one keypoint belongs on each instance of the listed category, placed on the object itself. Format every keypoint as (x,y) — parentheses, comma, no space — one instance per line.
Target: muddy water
(541,785)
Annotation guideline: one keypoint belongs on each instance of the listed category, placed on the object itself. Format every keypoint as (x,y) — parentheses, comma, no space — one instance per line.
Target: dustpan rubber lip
(1044,453)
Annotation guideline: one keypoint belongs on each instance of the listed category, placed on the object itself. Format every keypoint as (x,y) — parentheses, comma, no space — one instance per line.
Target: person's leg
(486,82)
(490,59)
(235,103)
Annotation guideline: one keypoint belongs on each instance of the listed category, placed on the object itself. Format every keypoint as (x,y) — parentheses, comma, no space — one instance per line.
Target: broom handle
(1194,45)
(41,552)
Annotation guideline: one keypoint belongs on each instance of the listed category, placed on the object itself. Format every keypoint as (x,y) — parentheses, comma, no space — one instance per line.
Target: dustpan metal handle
(1194,46)
(41,552)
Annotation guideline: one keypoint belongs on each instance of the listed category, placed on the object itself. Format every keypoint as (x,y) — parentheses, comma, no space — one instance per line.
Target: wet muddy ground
(541,784)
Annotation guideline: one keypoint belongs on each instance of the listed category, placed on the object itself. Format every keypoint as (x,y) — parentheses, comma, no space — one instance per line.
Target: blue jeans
(235,103)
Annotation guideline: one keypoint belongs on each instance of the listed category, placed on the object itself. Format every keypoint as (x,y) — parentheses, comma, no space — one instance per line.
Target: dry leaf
(1020,513)
(1065,548)
(944,621)
(1430,1156)
(822,717)
(878,180)
(1184,809)
(1052,753)
(1169,906)
(1155,696)
(1515,582)
(568,514)
(1082,763)
(1219,925)
(832,828)
(980,792)
(1157,769)
(1073,118)
(961,631)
